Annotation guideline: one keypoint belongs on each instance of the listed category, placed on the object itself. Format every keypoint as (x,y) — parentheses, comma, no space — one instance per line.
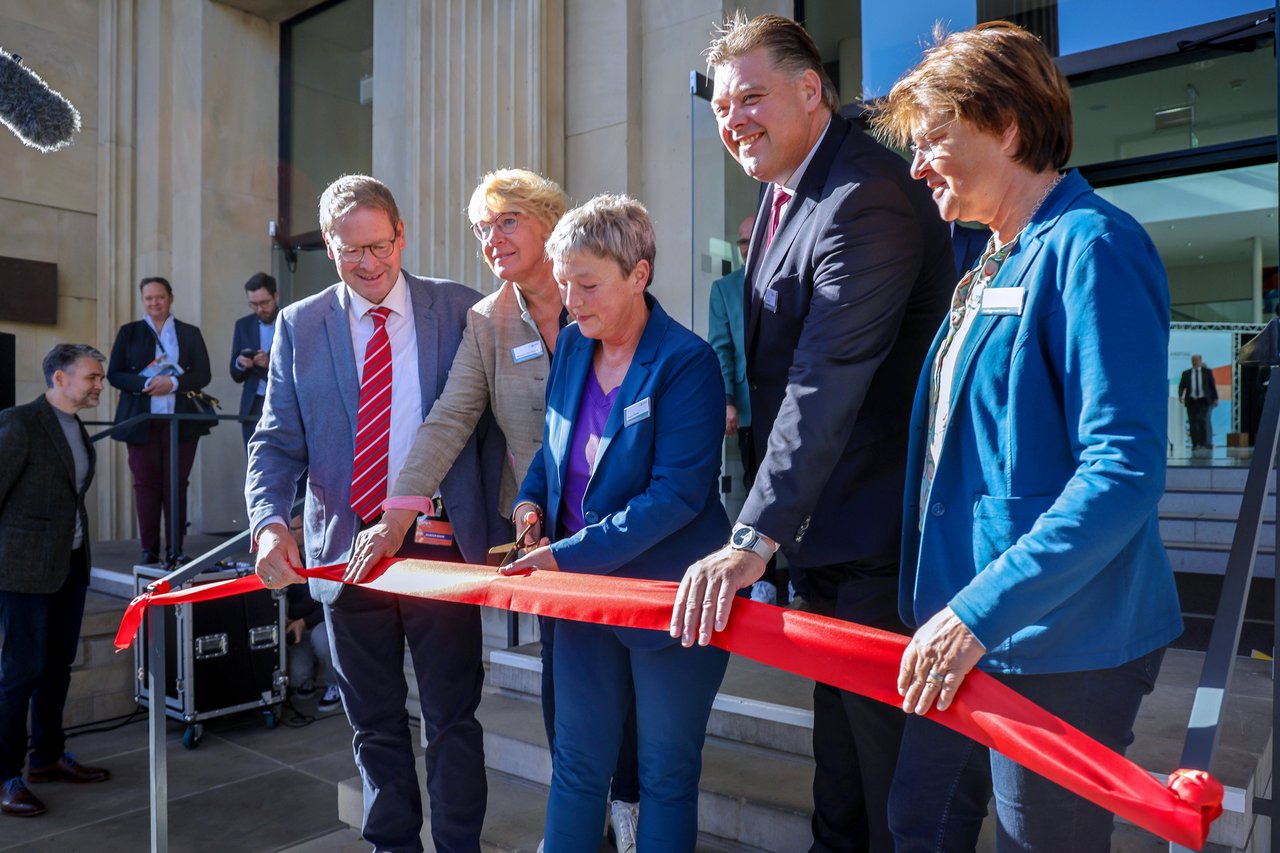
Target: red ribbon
(844,654)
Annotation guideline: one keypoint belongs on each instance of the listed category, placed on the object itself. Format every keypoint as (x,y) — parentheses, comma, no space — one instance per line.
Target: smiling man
(847,279)
(353,371)
(45,470)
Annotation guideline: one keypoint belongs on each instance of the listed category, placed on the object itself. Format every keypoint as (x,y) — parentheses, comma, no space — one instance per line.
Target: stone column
(462,88)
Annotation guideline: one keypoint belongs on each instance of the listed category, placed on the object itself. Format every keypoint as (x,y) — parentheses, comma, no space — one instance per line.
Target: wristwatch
(747,538)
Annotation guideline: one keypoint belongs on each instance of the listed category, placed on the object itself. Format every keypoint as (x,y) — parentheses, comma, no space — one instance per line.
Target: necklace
(1057,179)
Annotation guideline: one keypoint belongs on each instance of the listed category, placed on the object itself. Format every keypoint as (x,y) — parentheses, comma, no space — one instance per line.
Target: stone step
(1209,529)
(756,705)
(749,796)
(1222,503)
(1210,477)
(513,820)
(1207,558)
(102,681)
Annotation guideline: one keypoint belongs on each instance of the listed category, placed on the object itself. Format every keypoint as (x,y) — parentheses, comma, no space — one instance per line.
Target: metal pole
(174,497)
(156,730)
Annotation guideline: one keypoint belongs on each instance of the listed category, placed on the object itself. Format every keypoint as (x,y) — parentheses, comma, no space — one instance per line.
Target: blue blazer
(1041,529)
(652,505)
(308,424)
(725,316)
(246,337)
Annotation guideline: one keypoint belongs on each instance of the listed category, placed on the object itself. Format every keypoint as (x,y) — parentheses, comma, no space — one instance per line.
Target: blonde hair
(519,190)
(989,77)
(789,45)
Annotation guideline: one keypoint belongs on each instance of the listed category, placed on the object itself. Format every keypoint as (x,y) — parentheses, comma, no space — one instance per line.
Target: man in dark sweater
(45,469)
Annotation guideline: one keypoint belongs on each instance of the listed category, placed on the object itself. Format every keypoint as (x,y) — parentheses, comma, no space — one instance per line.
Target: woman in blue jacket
(1037,450)
(626,484)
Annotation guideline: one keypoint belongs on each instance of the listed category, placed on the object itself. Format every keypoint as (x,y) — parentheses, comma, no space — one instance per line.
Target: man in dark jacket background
(45,470)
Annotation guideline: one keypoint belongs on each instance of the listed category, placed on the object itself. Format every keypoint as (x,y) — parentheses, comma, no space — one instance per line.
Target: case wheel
(192,736)
(270,717)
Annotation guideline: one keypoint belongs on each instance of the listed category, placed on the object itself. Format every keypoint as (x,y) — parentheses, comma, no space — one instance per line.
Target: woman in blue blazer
(1037,450)
(625,484)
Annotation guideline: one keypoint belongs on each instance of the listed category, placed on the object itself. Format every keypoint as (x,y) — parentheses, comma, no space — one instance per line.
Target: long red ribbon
(844,654)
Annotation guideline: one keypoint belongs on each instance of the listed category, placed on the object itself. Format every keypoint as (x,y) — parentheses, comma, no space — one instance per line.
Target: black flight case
(221,656)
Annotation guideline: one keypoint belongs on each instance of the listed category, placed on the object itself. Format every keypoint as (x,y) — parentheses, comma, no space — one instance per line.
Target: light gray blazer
(485,375)
(308,425)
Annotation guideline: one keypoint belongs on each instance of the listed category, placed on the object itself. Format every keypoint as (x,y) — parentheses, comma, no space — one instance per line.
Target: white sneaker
(764,592)
(541,841)
(330,701)
(624,819)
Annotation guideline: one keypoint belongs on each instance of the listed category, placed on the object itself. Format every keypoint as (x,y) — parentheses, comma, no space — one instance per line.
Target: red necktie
(780,197)
(373,422)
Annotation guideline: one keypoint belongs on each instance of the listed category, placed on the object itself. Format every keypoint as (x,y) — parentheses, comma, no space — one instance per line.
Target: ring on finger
(935,677)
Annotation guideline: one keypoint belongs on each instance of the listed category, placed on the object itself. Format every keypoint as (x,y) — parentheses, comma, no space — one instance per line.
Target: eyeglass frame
(926,149)
(341,251)
(484,230)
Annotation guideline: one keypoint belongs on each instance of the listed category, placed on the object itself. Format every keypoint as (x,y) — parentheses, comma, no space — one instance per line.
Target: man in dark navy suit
(45,470)
(251,348)
(848,277)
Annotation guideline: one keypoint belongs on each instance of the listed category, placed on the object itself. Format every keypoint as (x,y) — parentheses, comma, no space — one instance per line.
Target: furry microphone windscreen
(39,116)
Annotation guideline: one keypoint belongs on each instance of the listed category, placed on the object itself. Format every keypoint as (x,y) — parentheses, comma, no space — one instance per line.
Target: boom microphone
(39,116)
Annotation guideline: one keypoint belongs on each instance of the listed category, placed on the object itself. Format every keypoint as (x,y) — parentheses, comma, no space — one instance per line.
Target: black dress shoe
(67,769)
(149,558)
(16,799)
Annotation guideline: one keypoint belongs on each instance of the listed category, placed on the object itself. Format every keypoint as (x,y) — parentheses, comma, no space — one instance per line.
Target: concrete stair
(101,680)
(1198,516)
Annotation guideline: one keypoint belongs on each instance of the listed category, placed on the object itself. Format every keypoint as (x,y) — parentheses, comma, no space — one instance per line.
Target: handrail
(156,725)
(1205,723)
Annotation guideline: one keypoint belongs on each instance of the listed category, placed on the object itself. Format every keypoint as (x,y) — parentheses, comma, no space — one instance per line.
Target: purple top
(588,426)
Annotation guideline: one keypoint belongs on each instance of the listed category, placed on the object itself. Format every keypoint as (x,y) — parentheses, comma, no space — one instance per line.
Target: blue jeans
(626,773)
(673,688)
(944,780)
(41,633)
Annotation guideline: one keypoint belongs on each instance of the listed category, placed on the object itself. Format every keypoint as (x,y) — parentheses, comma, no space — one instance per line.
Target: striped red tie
(373,422)
(780,198)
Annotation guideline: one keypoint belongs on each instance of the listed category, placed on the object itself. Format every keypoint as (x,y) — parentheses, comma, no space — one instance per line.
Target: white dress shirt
(162,404)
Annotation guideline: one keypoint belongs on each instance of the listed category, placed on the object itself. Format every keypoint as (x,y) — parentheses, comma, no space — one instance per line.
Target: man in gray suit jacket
(321,415)
(45,470)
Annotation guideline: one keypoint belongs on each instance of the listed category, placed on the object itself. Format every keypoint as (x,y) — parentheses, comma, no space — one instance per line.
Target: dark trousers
(1198,410)
(945,780)
(149,464)
(370,630)
(599,682)
(626,773)
(255,411)
(41,633)
(855,739)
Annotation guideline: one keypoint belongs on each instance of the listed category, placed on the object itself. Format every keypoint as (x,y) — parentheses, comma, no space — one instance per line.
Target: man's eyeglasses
(925,147)
(355,254)
(507,223)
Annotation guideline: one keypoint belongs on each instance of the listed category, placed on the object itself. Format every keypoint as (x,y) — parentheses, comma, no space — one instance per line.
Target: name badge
(636,412)
(1003,300)
(433,531)
(771,299)
(524,352)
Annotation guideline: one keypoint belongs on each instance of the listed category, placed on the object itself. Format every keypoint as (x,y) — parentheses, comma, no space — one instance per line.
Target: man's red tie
(373,422)
(780,198)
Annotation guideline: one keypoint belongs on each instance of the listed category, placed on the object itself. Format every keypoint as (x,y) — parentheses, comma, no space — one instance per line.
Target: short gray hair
(616,227)
(62,356)
(351,191)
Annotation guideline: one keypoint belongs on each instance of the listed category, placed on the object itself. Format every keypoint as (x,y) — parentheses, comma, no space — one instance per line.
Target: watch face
(742,537)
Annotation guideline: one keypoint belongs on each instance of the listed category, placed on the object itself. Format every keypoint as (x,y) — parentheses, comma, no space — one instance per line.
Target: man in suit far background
(1199,393)
(849,275)
(251,348)
(353,371)
(45,470)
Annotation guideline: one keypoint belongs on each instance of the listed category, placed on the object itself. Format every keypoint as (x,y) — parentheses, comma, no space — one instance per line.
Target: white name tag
(771,299)
(1003,300)
(524,352)
(635,412)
